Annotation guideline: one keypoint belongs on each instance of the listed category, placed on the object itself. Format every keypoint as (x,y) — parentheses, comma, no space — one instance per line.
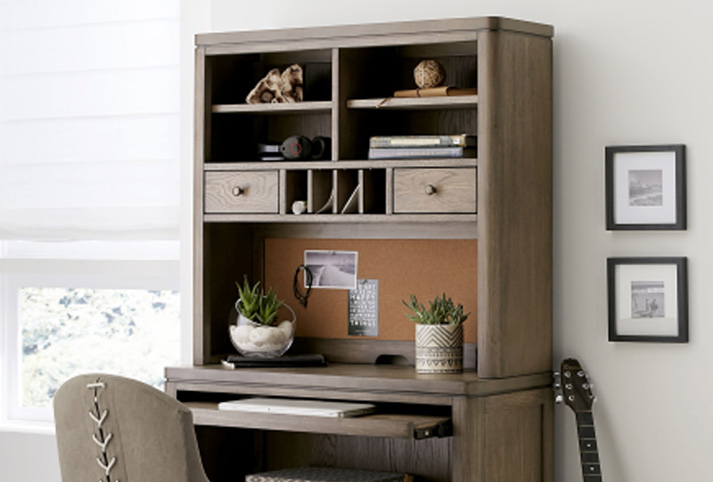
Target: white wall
(635,72)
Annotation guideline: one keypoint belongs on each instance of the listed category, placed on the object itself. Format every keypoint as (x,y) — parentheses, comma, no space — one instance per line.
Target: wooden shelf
(393,425)
(453,102)
(346,164)
(340,218)
(297,108)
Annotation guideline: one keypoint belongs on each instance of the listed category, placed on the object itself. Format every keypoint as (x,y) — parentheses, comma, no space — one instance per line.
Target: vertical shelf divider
(389,191)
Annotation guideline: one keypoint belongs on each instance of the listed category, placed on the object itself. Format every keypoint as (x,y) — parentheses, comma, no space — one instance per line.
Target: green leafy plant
(256,305)
(441,311)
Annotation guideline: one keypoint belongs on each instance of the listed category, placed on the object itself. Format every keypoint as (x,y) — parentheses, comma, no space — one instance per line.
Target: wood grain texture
(517,430)
(201,142)
(376,425)
(348,378)
(428,458)
(457,102)
(515,204)
(424,28)
(268,109)
(434,191)
(242,192)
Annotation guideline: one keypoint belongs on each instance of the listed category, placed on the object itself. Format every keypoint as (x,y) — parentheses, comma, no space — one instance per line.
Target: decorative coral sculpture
(278,88)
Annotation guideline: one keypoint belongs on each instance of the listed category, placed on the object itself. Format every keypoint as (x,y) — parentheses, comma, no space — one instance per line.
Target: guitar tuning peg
(593,398)
(556,374)
(559,399)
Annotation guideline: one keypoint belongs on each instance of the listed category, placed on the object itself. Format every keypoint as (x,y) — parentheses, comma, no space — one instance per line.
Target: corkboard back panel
(425,268)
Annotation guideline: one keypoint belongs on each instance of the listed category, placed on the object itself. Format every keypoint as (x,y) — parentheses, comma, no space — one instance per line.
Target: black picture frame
(648,286)
(623,211)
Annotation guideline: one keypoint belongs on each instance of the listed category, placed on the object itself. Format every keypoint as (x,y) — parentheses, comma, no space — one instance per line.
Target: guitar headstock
(576,388)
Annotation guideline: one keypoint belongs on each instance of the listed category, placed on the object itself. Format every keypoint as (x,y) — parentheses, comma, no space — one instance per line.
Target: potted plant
(439,334)
(257,331)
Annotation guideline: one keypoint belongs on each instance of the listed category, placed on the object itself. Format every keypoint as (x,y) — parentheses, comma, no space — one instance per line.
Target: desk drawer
(241,192)
(449,190)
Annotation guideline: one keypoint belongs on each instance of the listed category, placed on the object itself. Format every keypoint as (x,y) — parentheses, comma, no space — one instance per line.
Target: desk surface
(350,377)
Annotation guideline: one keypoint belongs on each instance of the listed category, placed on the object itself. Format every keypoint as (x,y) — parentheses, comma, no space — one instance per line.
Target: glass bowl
(255,340)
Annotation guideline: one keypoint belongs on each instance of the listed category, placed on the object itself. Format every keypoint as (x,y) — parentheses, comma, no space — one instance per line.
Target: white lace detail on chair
(100,438)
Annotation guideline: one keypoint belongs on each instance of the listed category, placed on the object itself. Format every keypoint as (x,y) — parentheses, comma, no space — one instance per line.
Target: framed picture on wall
(646,187)
(648,299)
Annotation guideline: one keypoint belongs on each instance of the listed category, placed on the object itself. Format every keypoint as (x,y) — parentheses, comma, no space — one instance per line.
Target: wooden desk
(445,428)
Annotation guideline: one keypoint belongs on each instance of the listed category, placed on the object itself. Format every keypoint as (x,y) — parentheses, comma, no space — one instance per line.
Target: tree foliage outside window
(68,331)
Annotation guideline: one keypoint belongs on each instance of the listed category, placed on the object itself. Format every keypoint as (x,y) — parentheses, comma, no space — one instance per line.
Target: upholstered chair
(114,429)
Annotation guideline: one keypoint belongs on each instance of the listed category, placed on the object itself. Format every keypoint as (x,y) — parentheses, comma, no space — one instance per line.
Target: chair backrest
(111,428)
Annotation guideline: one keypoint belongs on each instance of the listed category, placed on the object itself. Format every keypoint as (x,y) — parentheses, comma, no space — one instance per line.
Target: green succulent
(256,305)
(441,311)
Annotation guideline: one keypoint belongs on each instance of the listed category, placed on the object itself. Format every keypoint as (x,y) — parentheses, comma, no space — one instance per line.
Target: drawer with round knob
(242,192)
(435,190)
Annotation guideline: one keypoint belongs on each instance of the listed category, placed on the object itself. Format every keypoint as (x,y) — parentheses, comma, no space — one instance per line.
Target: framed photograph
(648,299)
(646,187)
(332,269)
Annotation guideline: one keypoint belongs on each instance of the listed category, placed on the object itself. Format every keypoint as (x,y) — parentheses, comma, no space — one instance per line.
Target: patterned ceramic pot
(439,348)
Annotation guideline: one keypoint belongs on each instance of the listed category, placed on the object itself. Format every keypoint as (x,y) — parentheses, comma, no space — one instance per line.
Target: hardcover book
(443,91)
(458,140)
(420,152)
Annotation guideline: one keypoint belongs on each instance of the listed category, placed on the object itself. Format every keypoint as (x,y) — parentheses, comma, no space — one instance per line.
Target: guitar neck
(589,454)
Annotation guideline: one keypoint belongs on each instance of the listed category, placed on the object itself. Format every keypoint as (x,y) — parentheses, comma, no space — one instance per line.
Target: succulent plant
(256,305)
(441,311)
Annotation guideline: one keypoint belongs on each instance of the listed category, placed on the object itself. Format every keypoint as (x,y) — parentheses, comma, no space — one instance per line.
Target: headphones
(301,148)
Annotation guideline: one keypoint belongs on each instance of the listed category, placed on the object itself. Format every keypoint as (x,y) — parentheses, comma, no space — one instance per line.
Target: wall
(635,72)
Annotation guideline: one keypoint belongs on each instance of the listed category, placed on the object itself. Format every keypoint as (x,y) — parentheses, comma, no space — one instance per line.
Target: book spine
(460,140)
(420,152)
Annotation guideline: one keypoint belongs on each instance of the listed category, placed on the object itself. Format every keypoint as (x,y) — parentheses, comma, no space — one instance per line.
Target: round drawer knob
(430,189)
(237,191)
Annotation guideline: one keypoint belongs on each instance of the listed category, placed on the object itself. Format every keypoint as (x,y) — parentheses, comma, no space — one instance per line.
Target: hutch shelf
(479,228)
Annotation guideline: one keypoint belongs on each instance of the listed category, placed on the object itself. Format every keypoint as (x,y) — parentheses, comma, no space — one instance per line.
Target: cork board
(425,268)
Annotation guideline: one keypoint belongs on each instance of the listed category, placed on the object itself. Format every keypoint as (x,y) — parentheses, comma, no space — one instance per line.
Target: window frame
(148,274)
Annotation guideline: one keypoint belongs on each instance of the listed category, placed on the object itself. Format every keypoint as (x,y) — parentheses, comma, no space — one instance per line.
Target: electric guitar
(576,392)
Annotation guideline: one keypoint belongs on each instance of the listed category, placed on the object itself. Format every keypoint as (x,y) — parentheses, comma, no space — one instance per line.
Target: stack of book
(422,147)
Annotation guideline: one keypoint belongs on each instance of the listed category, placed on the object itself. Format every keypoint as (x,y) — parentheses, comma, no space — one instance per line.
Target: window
(89,195)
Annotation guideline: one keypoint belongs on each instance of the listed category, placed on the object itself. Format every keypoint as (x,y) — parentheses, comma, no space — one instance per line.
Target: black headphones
(301,148)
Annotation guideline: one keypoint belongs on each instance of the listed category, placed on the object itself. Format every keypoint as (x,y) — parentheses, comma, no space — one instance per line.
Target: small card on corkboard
(364,308)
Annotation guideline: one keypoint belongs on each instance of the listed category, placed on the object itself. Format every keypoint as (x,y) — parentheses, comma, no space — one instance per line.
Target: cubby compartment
(373,191)
(235,135)
(234,76)
(368,122)
(320,193)
(346,191)
(295,191)
(384,70)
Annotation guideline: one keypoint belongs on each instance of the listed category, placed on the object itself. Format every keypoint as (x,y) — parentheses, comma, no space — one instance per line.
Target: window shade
(89,120)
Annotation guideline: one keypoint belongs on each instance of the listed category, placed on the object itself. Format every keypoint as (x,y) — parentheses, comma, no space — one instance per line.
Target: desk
(444,428)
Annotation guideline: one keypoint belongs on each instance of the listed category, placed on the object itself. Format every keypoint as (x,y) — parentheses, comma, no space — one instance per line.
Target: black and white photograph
(645,187)
(332,269)
(648,299)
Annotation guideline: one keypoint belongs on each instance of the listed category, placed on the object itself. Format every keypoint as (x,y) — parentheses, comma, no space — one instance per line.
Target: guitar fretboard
(589,454)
